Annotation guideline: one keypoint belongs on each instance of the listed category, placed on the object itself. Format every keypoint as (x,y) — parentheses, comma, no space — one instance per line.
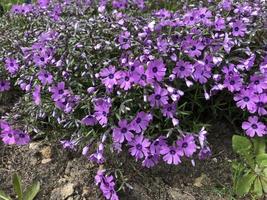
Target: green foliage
(250,176)
(29,194)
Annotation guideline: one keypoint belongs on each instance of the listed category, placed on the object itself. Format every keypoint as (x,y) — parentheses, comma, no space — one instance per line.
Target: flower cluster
(12,136)
(117,74)
(106,184)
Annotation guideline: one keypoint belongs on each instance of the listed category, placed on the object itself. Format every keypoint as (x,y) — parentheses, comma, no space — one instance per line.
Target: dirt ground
(69,175)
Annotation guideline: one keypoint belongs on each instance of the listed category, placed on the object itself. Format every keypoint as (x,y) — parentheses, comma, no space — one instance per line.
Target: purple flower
(68,144)
(219,23)
(187,145)
(109,76)
(89,120)
(8,137)
(45,77)
(37,95)
(204,153)
(258,83)
(140,122)
(150,161)
(183,69)
(107,187)
(42,58)
(171,154)
(204,15)
(246,99)
(4,85)
(254,127)
(192,47)
(233,83)
(159,98)
(239,28)
(11,65)
(59,91)
(156,69)
(261,102)
(139,147)
(140,76)
(122,132)
(120,4)
(102,107)
(98,156)
(4,126)
(157,144)
(124,40)
(21,138)
(202,72)
(125,80)
(169,110)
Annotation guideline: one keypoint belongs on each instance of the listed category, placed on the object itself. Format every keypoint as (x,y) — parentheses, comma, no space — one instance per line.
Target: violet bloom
(246,99)
(120,4)
(157,144)
(219,23)
(233,83)
(159,98)
(239,28)
(169,110)
(140,122)
(37,95)
(107,187)
(89,120)
(150,161)
(139,147)
(192,47)
(204,15)
(21,138)
(156,69)
(140,76)
(122,132)
(102,108)
(202,73)
(183,69)
(124,40)
(204,153)
(175,94)
(59,91)
(254,127)
(8,137)
(187,145)
(258,83)
(125,80)
(11,65)
(45,77)
(228,43)
(68,144)
(41,59)
(4,126)
(109,76)
(261,102)
(171,154)
(98,156)
(4,85)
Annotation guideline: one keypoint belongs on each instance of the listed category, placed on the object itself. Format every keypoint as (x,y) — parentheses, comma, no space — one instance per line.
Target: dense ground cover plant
(112,76)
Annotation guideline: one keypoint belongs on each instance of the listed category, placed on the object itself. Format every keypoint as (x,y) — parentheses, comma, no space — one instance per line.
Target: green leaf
(262,160)
(4,196)
(32,191)
(257,187)
(17,186)
(264,184)
(259,145)
(241,144)
(244,184)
